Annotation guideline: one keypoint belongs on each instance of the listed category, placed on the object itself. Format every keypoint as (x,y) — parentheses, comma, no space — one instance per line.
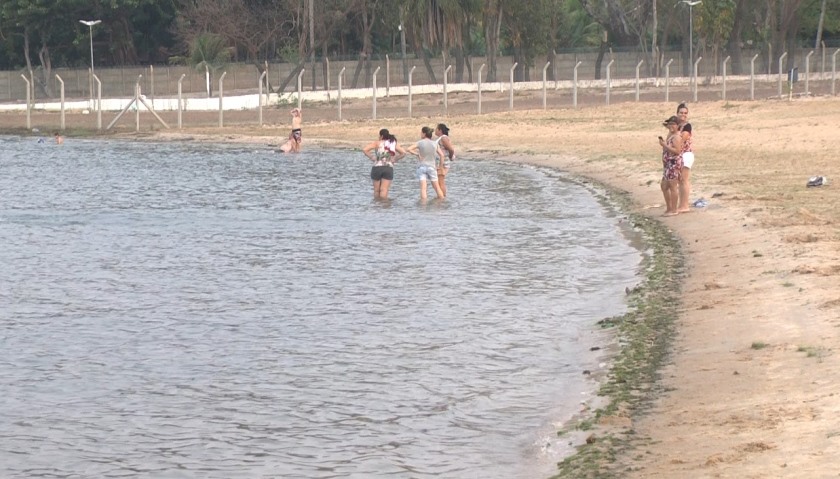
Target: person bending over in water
(426,150)
(443,141)
(58,139)
(292,145)
(383,152)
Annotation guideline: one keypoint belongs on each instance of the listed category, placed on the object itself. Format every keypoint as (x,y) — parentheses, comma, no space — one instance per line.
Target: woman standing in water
(445,144)
(687,158)
(671,165)
(426,150)
(383,152)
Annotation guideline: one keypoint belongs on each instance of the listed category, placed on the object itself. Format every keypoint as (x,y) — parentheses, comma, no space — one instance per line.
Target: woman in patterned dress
(671,165)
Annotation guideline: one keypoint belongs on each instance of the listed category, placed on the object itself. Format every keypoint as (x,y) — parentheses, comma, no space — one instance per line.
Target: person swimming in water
(292,145)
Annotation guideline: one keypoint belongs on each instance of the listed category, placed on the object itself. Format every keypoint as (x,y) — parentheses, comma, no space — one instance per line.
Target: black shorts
(378,173)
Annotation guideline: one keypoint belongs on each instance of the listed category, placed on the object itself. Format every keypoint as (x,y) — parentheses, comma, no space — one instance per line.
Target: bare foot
(684,211)
(671,213)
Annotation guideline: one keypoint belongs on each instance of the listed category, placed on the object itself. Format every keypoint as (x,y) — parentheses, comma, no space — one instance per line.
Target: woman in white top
(445,144)
(426,150)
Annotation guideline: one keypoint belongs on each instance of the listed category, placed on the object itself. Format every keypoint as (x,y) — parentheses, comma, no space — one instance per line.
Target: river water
(219,311)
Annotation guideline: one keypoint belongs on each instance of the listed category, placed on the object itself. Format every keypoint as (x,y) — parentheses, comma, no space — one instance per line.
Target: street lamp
(90,24)
(691,33)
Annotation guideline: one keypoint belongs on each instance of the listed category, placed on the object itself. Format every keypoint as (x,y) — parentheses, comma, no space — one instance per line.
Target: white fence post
(511,84)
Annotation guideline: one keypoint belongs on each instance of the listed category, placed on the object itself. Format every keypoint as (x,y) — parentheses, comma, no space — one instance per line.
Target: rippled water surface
(193,310)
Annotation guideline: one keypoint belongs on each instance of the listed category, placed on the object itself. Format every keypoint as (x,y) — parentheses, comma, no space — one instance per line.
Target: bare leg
(670,191)
(442,180)
(423,194)
(376,186)
(438,189)
(685,189)
(384,185)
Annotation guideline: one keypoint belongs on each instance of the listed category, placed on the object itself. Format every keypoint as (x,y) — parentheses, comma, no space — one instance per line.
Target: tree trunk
(820,25)
(492,32)
(735,37)
(602,50)
(46,70)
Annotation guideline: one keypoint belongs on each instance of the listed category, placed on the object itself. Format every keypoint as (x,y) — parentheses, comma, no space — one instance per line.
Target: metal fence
(162,81)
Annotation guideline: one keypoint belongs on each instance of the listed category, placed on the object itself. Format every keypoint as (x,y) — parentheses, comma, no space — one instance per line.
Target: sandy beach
(749,389)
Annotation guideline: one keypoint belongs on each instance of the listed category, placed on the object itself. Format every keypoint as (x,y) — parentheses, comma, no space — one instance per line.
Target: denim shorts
(426,172)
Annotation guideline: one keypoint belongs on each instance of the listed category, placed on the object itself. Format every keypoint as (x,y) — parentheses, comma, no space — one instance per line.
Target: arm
(400,153)
(447,145)
(675,148)
(440,154)
(368,150)
(413,149)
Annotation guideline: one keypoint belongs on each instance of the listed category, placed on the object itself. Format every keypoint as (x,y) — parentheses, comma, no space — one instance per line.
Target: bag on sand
(817,181)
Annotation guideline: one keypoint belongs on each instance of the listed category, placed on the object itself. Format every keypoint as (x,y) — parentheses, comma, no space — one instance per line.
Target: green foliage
(208,51)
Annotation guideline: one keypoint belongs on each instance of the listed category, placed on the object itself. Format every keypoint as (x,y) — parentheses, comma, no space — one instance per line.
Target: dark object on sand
(817,181)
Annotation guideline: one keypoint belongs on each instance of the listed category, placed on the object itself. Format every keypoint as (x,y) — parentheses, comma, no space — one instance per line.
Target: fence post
(340,75)
(609,68)
(410,82)
(374,91)
(725,61)
(545,81)
(327,77)
(808,71)
(137,104)
(554,70)
(668,80)
(696,62)
(300,87)
(387,76)
(752,77)
(781,59)
(480,72)
(152,84)
(61,82)
(260,98)
(221,99)
(446,89)
(98,102)
(834,70)
(180,101)
(638,66)
(575,85)
(28,102)
(511,84)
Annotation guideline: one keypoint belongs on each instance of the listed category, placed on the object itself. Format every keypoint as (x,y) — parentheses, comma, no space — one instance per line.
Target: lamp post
(691,33)
(90,24)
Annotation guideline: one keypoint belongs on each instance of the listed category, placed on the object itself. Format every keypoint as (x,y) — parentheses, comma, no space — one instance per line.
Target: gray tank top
(427,148)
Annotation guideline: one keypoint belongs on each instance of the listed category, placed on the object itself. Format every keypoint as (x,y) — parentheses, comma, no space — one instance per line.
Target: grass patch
(645,334)
(757,345)
(810,351)
(787,284)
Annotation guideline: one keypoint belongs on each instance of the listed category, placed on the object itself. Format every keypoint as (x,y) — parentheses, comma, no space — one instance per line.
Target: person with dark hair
(292,145)
(687,158)
(671,165)
(383,152)
(426,150)
(445,143)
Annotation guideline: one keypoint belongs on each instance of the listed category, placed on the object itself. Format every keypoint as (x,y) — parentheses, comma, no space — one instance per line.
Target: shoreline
(748,387)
